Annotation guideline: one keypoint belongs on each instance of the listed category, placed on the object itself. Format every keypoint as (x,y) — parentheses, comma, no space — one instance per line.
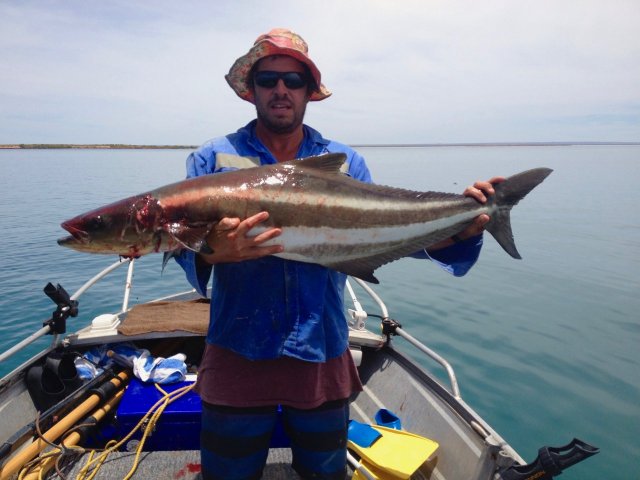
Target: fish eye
(96,222)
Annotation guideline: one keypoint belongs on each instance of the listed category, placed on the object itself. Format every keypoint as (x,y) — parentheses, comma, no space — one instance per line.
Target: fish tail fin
(508,194)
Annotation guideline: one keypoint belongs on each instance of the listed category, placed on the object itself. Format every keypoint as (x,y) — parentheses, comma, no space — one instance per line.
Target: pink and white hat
(278,41)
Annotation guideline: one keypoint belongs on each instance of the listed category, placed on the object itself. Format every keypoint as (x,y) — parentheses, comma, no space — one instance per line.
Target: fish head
(127,228)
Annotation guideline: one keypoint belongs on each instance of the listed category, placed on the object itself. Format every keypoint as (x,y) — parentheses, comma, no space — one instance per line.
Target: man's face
(280,109)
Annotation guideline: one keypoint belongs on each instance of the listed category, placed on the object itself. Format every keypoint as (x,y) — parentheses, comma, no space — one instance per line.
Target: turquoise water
(545,348)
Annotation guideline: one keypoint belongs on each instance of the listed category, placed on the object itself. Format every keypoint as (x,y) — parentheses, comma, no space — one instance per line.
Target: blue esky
(406,71)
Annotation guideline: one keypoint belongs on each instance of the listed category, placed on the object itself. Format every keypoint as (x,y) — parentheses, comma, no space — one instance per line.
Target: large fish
(326,217)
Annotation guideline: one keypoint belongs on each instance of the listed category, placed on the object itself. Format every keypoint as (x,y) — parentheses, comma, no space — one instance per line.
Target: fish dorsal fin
(328,163)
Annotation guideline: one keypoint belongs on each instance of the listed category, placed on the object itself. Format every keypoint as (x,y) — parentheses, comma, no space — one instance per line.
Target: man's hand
(230,240)
(480,190)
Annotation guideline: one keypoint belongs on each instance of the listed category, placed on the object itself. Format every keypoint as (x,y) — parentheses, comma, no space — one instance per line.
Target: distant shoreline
(113,146)
(96,146)
(492,144)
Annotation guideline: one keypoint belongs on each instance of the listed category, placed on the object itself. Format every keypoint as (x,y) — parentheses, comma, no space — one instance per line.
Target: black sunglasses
(269,79)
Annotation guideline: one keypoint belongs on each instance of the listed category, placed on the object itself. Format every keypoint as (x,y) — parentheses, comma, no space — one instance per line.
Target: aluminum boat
(56,423)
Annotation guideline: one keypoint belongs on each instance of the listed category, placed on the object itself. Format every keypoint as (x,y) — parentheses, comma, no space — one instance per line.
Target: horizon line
(124,146)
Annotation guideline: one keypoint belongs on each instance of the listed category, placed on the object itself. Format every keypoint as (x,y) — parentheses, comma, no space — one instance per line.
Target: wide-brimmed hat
(278,41)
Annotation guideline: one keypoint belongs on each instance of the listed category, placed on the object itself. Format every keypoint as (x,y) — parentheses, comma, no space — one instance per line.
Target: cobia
(326,217)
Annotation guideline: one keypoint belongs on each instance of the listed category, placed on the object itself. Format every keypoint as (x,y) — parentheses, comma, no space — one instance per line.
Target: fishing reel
(66,308)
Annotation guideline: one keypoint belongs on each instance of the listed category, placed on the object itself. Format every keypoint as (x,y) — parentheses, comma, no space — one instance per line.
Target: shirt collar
(313,142)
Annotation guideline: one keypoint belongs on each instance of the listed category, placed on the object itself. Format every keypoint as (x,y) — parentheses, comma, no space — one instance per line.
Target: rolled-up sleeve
(456,259)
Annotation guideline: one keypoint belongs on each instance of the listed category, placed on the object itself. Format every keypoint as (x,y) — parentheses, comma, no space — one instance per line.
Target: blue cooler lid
(139,397)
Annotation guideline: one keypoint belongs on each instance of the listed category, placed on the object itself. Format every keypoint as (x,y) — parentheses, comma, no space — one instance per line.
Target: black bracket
(551,461)
(66,308)
(389,326)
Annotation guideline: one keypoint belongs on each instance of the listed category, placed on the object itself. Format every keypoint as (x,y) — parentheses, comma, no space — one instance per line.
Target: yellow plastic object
(396,454)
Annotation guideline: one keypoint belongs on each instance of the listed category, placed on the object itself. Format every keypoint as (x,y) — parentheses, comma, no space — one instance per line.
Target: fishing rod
(107,390)
(39,467)
(56,411)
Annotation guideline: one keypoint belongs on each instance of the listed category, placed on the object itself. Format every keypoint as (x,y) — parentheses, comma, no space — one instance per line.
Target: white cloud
(410,71)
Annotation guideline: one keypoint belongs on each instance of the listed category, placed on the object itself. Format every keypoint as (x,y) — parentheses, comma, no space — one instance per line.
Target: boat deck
(183,465)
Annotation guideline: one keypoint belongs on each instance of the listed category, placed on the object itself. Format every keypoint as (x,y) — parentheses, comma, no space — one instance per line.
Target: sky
(401,71)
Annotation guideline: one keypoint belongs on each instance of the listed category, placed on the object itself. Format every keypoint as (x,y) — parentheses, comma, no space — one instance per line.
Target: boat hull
(468,447)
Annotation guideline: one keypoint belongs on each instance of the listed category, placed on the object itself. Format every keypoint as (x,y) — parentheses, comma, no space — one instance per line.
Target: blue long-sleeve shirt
(270,307)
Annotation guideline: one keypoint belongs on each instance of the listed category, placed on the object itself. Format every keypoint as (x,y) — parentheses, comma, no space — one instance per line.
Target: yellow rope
(152,415)
(101,460)
(94,463)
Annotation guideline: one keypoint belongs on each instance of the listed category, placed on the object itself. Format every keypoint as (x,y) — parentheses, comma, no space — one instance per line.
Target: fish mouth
(69,241)
(77,234)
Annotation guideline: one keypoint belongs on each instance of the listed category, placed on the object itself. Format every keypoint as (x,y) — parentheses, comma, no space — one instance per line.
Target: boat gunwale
(475,422)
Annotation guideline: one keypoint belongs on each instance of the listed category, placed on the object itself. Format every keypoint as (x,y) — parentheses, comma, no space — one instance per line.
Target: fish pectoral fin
(168,256)
(191,237)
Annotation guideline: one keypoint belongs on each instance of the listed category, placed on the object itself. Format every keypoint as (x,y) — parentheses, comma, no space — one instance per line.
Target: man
(277,335)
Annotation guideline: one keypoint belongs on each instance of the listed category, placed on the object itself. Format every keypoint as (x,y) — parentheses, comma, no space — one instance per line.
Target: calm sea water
(545,349)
